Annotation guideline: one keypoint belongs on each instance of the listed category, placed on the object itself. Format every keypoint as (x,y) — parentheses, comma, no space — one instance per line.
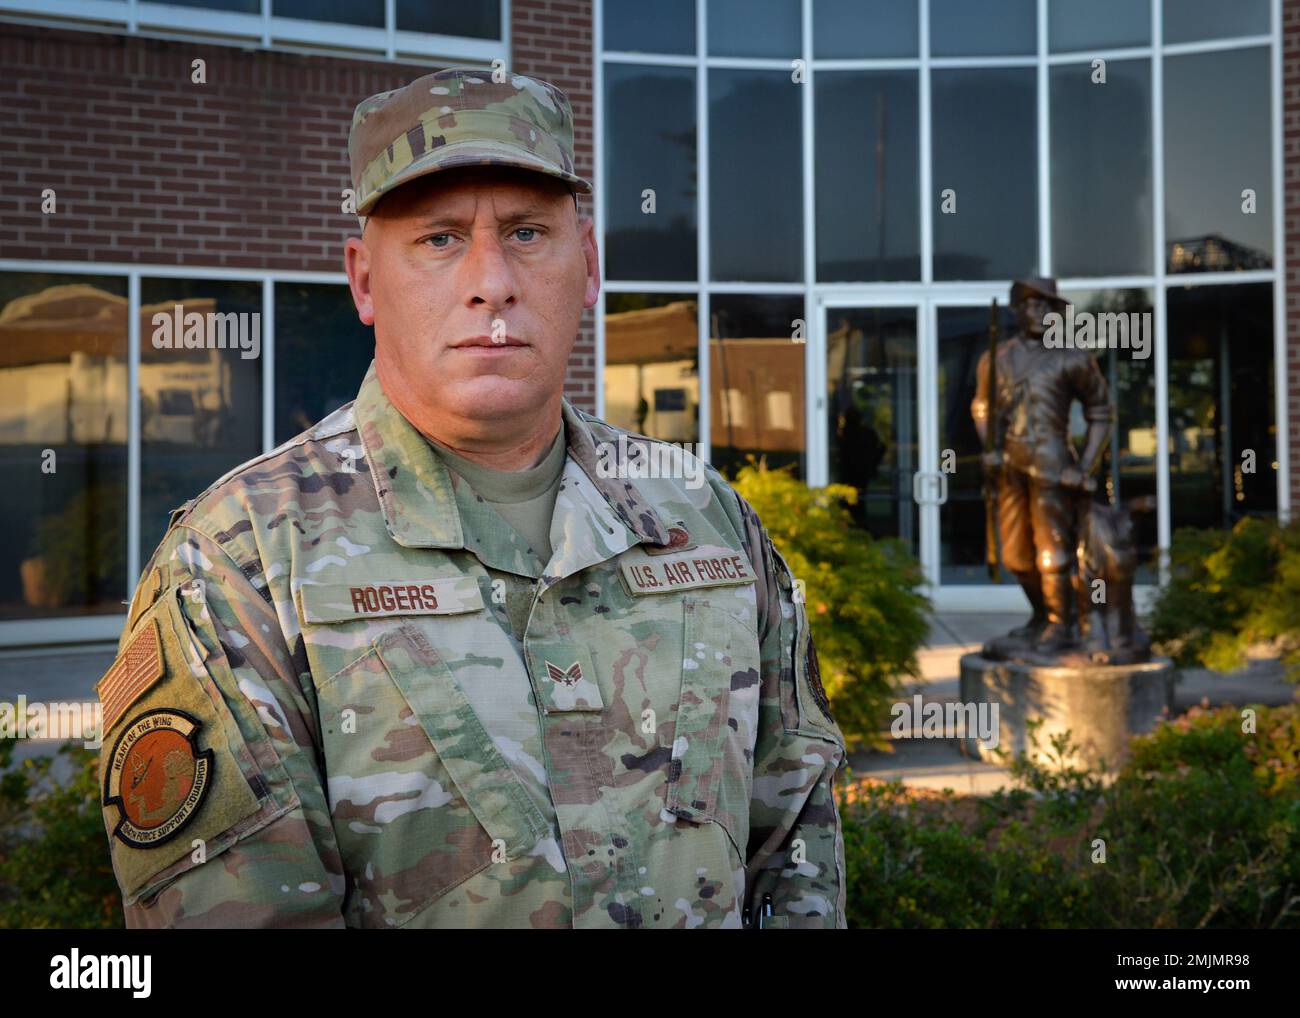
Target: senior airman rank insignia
(570,676)
(157,777)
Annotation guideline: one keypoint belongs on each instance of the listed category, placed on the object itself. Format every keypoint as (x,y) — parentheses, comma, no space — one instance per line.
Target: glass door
(871,404)
(892,417)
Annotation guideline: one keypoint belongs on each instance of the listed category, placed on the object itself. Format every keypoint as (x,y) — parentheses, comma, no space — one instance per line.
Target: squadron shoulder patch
(157,777)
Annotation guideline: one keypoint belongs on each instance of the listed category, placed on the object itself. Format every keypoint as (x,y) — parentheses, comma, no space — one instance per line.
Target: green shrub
(1200,829)
(1228,590)
(862,595)
(55,868)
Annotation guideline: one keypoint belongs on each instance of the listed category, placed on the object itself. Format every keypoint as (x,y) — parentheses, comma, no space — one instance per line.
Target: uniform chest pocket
(420,795)
(710,773)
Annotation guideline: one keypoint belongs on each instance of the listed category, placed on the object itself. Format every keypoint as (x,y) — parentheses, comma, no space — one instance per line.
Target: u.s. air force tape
(684,570)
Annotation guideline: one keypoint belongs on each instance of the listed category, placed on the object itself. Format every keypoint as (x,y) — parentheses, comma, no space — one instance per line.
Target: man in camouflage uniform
(360,685)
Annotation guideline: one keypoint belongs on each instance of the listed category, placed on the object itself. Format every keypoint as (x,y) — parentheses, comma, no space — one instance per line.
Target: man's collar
(415,489)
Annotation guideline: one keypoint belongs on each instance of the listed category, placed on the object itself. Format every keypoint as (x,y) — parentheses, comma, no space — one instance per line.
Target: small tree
(862,595)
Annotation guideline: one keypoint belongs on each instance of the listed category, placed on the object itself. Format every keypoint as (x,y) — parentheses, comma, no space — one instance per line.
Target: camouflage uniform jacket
(348,695)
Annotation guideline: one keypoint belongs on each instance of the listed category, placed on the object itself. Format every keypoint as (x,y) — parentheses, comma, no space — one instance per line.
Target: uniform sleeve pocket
(179,781)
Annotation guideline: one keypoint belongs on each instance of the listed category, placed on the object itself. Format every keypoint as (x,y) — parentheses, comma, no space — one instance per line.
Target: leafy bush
(1228,590)
(862,595)
(1199,829)
(55,868)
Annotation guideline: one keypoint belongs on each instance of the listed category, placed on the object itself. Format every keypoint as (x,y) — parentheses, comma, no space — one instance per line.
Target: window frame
(269,31)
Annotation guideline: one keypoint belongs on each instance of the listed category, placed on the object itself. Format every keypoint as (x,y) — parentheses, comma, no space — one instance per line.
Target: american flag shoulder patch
(135,670)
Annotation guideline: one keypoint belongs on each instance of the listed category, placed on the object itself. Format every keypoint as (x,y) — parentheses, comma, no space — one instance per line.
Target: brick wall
(1291,192)
(551,39)
(242,172)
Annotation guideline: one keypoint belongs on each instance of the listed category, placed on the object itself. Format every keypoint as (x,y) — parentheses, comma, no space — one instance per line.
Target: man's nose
(489,276)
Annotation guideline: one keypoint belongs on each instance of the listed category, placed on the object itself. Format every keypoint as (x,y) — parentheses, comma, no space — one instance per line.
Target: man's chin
(493,397)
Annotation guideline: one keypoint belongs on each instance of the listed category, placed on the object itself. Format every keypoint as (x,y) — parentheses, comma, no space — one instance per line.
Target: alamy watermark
(36,720)
(1107,330)
(637,460)
(934,720)
(211,330)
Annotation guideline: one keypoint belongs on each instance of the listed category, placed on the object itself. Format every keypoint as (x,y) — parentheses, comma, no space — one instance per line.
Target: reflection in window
(864,28)
(650,141)
(755,28)
(959,28)
(322,352)
(756,382)
(1193,20)
(1127,472)
(963,334)
(755,176)
(633,26)
(1074,25)
(474,19)
(652,378)
(1101,169)
(201,400)
(363,13)
(872,417)
(1217,145)
(868,179)
(63,435)
(1221,404)
(985,152)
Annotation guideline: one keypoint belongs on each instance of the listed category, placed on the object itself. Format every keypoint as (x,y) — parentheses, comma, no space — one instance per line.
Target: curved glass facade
(832,193)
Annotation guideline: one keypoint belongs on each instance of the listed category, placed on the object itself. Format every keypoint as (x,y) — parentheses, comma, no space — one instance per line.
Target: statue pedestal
(1101,705)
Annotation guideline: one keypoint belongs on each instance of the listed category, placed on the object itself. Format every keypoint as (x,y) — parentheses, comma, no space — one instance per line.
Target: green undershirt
(523,498)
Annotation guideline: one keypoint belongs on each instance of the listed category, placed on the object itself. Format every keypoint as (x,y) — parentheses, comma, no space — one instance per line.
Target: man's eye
(525,229)
(434,239)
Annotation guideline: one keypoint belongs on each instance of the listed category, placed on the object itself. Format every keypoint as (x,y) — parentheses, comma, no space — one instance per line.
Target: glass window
(1101,169)
(63,435)
(637,27)
(985,173)
(322,352)
(200,390)
(872,415)
(1192,20)
(1222,436)
(755,28)
(652,364)
(959,28)
(867,161)
(1098,24)
(475,19)
(362,13)
(756,381)
(755,176)
(650,146)
(1217,146)
(864,28)
(1127,472)
(963,334)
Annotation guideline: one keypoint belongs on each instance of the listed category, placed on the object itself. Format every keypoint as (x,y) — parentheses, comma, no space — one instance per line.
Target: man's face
(1030,313)
(475,280)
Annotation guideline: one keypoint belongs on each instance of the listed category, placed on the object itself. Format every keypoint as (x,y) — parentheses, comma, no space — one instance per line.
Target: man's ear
(356,260)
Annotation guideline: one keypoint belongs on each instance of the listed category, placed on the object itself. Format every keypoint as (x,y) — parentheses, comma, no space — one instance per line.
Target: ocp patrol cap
(460,116)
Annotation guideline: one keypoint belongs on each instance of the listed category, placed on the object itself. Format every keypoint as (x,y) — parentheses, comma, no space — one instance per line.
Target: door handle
(924,481)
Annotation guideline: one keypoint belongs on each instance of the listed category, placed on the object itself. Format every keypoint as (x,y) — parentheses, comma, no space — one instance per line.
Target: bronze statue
(1042,488)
